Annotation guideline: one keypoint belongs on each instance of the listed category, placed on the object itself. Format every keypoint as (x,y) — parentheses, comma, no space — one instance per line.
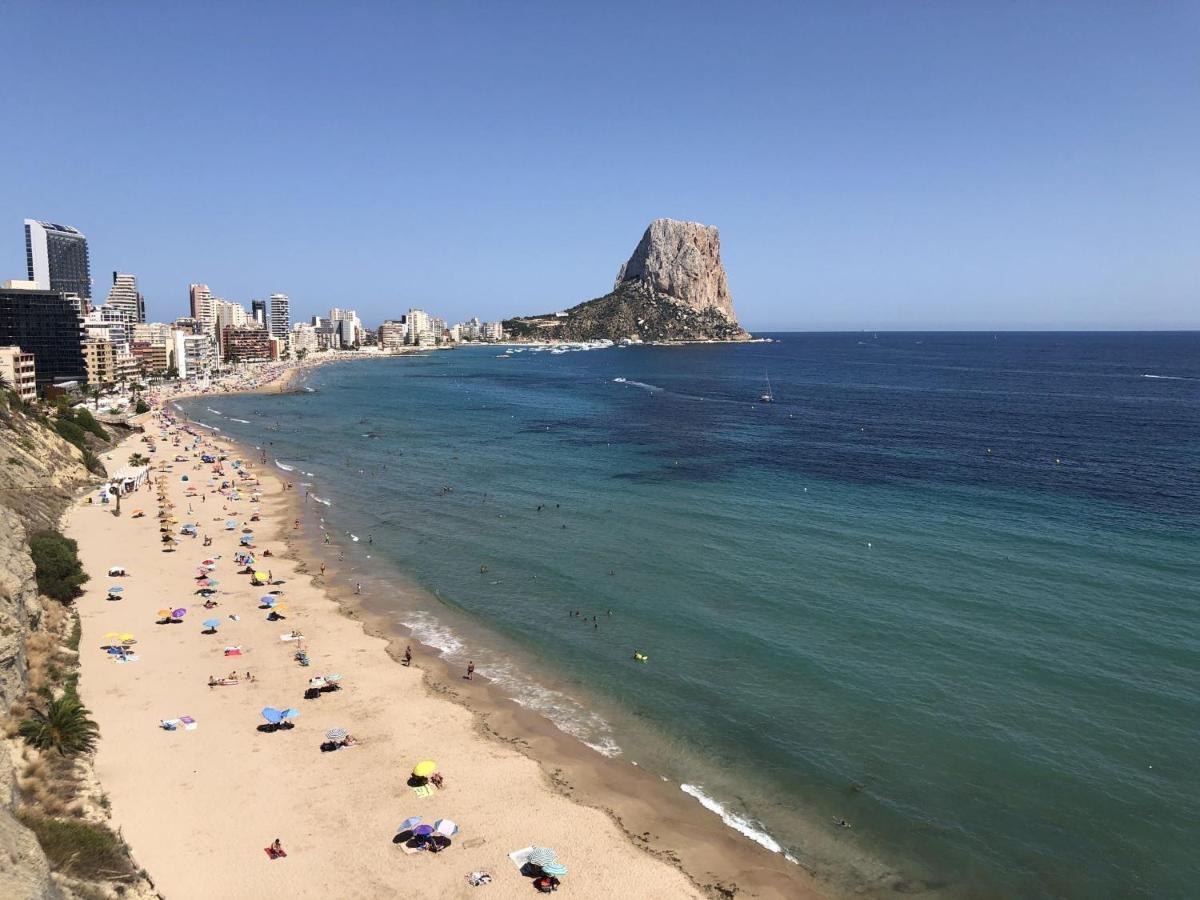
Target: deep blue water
(944,587)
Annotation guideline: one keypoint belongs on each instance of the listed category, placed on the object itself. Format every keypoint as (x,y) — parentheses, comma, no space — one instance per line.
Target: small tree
(138,460)
(64,725)
(141,406)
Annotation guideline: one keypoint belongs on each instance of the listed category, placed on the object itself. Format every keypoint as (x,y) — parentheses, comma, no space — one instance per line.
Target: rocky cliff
(673,288)
(39,473)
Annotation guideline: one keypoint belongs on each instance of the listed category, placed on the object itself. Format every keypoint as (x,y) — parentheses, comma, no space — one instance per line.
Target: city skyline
(872,167)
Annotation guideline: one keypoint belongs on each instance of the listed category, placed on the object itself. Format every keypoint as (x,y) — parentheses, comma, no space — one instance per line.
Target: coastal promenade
(199,806)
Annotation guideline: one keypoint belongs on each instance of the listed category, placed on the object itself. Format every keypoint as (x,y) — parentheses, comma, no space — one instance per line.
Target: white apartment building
(281,315)
(194,354)
(304,338)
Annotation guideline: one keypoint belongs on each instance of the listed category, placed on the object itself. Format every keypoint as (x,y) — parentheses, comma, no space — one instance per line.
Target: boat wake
(652,388)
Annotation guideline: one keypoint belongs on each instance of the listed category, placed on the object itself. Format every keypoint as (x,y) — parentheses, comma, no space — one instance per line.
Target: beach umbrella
(337,734)
(556,869)
(231,524)
(268,599)
(409,824)
(279,607)
(113,634)
(423,830)
(290,713)
(272,715)
(126,638)
(260,576)
(317,682)
(179,612)
(333,679)
(189,524)
(425,768)
(212,623)
(445,828)
(115,589)
(165,613)
(212,582)
(209,562)
(246,540)
(542,856)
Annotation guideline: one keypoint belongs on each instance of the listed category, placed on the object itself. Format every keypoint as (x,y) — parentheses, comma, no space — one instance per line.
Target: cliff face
(683,261)
(673,288)
(39,473)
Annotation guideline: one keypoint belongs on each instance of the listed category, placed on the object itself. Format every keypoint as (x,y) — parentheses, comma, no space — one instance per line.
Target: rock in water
(673,288)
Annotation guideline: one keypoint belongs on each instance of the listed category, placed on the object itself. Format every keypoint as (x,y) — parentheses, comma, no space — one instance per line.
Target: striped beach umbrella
(337,734)
(543,856)
(555,868)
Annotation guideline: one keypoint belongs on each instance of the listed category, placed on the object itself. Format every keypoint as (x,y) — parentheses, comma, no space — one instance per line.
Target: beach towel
(274,854)
(189,724)
(425,790)
(169,724)
(233,651)
(520,857)
(288,637)
(475,879)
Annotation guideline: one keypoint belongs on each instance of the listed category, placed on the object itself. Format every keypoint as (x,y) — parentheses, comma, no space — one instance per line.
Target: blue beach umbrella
(212,623)
(272,715)
(247,539)
(556,869)
(290,713)
(268,600)
(115,589)
(410,823)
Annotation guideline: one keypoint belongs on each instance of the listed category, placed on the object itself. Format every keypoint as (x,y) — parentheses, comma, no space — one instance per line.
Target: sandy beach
(198,806)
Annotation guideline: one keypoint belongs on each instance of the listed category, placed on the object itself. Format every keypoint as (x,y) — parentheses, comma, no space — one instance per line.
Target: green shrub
(85,420)
(80,849)
(71,432)
(56,564)
(15,461)
(141,407)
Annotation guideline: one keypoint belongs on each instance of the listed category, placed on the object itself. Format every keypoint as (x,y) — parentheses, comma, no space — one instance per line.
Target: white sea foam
(567,715)
(737,823)
(321,500)
(285,467)
(1165,377)
(353,537)
(243,421)
(215,412)
(206,425)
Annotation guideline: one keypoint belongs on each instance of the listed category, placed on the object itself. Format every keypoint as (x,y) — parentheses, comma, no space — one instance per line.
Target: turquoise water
(945,587)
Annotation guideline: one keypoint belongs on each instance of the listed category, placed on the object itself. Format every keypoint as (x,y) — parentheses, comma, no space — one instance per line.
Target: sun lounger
(520,857)
(425,790)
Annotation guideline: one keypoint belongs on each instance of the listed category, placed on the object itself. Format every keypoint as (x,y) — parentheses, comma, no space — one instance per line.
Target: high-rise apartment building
(46,324)
(281,315)
(202,307)
(57,258)
(246,343)
(258,309)
(124,296)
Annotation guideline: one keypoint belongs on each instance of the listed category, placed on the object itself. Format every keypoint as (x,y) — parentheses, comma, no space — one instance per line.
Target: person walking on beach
(322,568)
(470,676)
(408,655)
(358,587)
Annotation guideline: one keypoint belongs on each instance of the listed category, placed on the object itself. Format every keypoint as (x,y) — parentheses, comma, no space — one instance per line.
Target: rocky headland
(673,288)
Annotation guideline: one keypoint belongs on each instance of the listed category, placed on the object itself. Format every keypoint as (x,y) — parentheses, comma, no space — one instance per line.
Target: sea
(944,589)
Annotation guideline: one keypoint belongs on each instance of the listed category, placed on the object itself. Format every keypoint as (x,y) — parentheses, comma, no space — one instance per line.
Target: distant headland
(673,288)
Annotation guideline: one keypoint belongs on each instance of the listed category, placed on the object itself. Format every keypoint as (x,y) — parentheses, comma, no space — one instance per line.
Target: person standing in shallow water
(470,676)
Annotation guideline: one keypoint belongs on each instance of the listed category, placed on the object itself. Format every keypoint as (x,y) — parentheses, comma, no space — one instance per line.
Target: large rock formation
(673,288)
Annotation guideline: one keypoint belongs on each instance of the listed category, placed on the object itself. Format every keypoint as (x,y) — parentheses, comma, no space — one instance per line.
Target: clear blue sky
(870,165)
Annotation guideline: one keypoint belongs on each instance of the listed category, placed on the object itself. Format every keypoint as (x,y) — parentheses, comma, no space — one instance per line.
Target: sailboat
(769,396)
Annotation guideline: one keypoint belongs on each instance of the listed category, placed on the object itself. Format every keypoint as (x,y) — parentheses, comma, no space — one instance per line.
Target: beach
(199,805)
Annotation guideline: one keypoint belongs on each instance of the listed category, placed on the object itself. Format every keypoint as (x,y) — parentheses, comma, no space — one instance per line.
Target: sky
(877,165)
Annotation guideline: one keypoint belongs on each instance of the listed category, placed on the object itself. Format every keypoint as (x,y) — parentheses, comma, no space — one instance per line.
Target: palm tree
(138,460)
(63,726)
(94,391)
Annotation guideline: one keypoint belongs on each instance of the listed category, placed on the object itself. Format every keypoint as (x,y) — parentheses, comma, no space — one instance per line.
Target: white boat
(769,396)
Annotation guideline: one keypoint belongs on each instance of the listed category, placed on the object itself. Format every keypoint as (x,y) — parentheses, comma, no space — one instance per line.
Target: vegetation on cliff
(56,563)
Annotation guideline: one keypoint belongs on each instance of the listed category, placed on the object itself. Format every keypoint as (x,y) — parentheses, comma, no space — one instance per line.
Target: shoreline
(710,853)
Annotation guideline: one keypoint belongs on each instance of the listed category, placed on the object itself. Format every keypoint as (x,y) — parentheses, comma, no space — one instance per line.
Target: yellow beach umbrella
(125,638)
(165,613)
(425,768)
(113,634)
(261,576)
